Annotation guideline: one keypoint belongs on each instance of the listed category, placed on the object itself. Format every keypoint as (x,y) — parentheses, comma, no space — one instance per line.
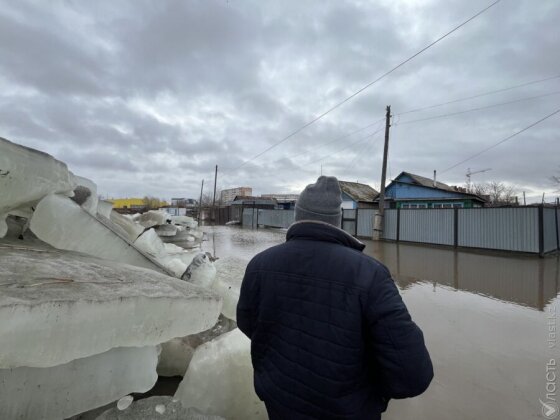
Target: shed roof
(357,191)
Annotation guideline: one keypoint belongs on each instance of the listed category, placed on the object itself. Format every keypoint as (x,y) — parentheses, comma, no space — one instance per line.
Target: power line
(397,116)
(362,151)
(501,141)
(339,138)
(477,108)
(446,115)
(314,120)
(361,139)
(480,95)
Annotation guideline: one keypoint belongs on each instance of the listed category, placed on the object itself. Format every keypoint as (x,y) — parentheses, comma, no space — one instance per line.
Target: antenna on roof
(469,173)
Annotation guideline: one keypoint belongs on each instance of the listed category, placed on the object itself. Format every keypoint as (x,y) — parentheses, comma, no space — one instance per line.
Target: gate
(358,222)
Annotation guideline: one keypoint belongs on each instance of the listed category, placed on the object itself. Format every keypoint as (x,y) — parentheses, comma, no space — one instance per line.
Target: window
(414,206)
(447,205)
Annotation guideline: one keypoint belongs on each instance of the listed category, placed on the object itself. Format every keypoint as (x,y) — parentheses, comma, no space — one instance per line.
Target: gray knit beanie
(320,201)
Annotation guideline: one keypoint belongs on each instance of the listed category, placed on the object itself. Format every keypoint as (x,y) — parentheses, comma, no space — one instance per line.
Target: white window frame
(448,205)
(414,206)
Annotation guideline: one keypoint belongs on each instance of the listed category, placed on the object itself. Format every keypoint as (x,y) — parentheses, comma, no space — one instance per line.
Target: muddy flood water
(485,317)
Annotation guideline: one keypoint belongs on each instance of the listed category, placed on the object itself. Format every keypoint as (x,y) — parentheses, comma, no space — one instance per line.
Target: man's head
(320,202)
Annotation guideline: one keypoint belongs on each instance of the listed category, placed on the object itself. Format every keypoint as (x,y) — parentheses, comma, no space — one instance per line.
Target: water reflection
(244,243)
(525,280)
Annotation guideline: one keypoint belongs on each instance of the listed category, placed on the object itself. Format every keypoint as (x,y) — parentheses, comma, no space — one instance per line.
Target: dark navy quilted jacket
(330,335)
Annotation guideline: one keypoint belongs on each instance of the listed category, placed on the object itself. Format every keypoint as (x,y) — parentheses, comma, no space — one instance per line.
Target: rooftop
(357,191)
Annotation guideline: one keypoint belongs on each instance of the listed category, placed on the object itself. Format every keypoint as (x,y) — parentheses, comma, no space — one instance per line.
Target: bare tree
(555,179)
(479,189)
(207,200)
(498,193)
(151,202)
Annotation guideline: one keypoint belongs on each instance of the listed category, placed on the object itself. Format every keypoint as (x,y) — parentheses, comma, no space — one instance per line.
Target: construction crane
(469,173)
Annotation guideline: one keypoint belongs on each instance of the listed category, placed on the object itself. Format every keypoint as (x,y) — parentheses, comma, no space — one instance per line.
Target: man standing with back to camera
(330,335)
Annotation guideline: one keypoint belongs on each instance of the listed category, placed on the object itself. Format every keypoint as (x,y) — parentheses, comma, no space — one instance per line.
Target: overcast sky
(145,97)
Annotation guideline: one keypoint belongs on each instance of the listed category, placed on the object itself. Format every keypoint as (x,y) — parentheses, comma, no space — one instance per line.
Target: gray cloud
(145,97)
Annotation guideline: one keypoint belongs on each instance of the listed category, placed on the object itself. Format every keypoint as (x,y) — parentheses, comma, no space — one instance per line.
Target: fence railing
(523,229)
(254,217)
(533,230)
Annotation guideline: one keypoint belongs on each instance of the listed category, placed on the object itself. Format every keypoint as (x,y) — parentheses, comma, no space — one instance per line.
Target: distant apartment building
(227,196)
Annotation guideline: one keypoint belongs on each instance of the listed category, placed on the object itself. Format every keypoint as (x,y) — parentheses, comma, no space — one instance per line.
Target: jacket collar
(321,231)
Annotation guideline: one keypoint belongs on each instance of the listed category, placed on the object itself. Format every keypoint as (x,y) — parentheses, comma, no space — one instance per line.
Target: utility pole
(378,222)
(524,201)
(214,199)
(200,203)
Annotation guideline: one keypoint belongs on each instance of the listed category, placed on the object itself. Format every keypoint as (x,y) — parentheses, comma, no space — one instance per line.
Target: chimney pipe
(435,183)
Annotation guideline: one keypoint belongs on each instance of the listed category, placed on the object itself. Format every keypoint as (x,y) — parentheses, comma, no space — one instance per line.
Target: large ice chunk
(60,222)
(58,306)
(161,408)
(166,230)
(85,194)
(230,272)
(104,208)
(150,243)
(187,239)
(153,218)
(201,271)
(184,221)
(219,379)
(133,230)
(62,391)
(180,262)
(176,354)
(26,176)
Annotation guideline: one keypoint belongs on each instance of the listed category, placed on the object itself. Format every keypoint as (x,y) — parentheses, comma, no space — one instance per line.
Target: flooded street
(485,319)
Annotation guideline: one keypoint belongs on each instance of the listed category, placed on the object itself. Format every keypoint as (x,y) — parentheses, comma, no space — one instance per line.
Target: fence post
(356,223)
(455,227)
(541,231)
(556,220)
(257,217)
(398,236)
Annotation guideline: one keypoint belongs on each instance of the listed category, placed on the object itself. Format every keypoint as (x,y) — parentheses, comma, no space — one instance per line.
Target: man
(330,335)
